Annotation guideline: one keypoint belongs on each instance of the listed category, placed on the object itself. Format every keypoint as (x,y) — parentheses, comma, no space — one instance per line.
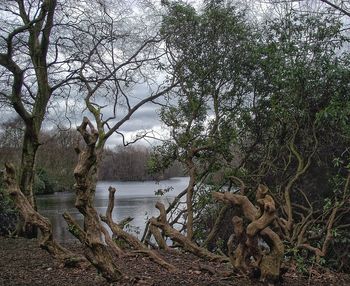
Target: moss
(73,230)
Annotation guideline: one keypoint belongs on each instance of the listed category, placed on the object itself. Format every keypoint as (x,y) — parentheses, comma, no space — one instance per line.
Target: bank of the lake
(134,199)
(43,270)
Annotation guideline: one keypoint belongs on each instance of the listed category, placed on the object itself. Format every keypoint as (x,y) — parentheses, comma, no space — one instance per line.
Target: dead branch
(183,241)
(137,245)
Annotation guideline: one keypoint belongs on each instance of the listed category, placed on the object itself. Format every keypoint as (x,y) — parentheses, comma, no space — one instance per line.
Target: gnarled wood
(85,174)
(239,255)
(96,253)
(137,245)
(34,218)
(182,240)
(260,218)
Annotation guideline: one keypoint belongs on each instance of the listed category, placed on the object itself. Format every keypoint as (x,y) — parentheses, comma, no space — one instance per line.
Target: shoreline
(43,270)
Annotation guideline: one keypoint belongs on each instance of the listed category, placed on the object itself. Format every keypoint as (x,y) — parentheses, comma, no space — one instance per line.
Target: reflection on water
(134,199)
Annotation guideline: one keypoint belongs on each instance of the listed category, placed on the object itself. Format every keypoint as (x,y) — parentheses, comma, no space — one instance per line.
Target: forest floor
(23,262)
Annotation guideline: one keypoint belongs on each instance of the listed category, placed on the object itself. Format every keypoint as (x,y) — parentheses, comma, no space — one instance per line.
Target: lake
(134,199)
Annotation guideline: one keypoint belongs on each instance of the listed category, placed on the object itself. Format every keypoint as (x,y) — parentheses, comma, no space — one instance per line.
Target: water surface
(134,199)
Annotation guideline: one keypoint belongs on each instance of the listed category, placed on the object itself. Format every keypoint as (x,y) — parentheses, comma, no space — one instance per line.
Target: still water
(134,199)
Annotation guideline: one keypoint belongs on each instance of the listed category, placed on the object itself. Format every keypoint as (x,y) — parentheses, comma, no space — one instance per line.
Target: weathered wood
(182,240)
(85,174)
(136,244)
(96,253)
(260,218)
(158,237)
(239,255)
(31,215)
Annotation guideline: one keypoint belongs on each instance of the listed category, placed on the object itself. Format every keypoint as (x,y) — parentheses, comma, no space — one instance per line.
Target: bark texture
(31,215)
(182,240)
(246,239)
(36,31)
(27,173)
(85,174)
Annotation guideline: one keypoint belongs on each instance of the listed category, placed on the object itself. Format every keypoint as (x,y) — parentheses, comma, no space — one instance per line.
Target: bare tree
(113,55)
(25,43)
(342,6)
(33,71)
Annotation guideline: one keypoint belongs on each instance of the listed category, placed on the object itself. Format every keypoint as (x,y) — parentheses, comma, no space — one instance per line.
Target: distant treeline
(57,159)
(131,164)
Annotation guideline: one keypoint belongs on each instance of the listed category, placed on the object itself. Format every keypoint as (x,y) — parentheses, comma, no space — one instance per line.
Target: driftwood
(149,228)
(31,216)
(259,219)
(238,256)
(182,240)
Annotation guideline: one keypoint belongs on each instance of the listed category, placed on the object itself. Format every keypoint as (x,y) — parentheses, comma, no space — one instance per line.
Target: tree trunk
(189,198)
(26,180)
(29,214)
(85,174)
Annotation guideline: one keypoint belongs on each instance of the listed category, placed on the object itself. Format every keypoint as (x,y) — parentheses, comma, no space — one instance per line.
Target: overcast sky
(145,119)
(64,112)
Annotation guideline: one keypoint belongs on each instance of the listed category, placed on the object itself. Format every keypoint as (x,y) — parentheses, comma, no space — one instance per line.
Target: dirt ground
(23,262)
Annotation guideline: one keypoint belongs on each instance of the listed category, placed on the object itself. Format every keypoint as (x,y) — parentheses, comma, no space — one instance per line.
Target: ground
(23,262)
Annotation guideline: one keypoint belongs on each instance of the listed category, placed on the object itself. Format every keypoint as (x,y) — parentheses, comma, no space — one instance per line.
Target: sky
(144,120)
(70,112)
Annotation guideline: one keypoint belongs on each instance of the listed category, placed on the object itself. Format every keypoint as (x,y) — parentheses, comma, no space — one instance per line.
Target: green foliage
(301,259)
(209,55)
(43,183)
(8,214)
(161,158)
(300,80)
(265,104)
